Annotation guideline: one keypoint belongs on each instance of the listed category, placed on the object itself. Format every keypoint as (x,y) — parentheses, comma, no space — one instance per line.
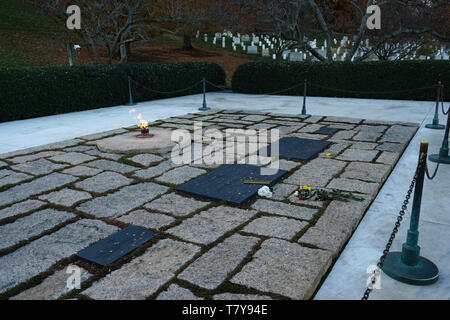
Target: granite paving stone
(284,209)
(82,171)
(358,155)
(35,156)
(111,166)
(331,240)
(155,170)
(38,167)
(344,135)
(342,215)
(353,185)
(387,157)
(275,227)
(103,182)
(207,226)
(255,118)
(316,173)
(238,296)
(396,133)
(392,147)
(73,158)
(53,287)
(30,226)
(364,145)
(313,119)
(145,274)
(176,205)
(79,149)
(261,126)
(146,159)
(366,171)
(310,128)
(282,191)
(209,271)
(180,175)
(126,199)
(66,197)
(39,255)
(21,208)
(146,219)
(8,177)
(285,268)
(369,133)
(175,292)
(37,186)
(343,119)
(98,153)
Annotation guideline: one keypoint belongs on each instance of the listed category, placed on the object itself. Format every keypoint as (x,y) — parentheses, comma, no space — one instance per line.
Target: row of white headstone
(251,44)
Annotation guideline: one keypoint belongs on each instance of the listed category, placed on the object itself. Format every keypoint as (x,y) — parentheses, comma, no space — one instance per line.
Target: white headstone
(252,50)
(296,57)
(265,52)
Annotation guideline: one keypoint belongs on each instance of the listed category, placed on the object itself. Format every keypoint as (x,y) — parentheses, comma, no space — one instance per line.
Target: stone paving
(58,199)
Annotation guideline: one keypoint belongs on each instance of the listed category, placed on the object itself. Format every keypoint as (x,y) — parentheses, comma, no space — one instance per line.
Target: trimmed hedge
(371,79)
(40,91)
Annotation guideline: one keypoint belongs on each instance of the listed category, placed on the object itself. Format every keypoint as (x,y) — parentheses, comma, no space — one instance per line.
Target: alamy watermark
(374,271)
(214,147)
(374,21)
(74,19)
(74,280)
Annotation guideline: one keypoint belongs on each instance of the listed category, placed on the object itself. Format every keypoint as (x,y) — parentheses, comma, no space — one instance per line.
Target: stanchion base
(131,104)
(204,109)
(423,273)
(435,126)
(435,158)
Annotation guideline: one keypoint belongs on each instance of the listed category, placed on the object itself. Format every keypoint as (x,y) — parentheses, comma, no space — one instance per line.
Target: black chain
(435,170)
(402,212)
(442,104)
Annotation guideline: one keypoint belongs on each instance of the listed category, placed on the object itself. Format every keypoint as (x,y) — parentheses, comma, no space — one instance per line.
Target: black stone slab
(326,130)
(227,183)
(115,246)
(299,148)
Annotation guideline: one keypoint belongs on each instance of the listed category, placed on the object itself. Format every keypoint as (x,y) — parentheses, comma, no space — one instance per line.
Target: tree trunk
(187,43)
(70,53)
(123,54)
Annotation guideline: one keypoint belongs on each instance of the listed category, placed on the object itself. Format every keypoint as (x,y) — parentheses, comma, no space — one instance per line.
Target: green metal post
(443,156)
(408,266)
(435,124)
(131,103)
(305,87)
(205,107)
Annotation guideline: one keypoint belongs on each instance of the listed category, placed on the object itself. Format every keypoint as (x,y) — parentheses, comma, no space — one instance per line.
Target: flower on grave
(328,154)
(307,193)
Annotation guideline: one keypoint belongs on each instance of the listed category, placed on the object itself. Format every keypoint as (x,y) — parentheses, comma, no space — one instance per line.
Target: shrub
(40,91)
(374,80)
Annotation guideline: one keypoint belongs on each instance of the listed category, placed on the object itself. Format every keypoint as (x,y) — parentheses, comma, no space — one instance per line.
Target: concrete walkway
(23,134)
(348,276)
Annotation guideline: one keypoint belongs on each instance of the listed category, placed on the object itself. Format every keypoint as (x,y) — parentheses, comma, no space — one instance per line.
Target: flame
(132,111)
(143,125)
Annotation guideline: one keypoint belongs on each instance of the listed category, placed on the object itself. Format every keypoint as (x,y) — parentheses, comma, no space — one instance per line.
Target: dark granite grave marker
(227,183)
(115,246)
(299,148)
(326,130)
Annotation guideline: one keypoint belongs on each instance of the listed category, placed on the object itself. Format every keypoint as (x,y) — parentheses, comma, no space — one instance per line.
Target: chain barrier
(402,212)
(167,92)
(371,92)
(442,104)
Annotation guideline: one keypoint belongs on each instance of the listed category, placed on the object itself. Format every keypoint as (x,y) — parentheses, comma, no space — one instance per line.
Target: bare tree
(297,21)
(107,23)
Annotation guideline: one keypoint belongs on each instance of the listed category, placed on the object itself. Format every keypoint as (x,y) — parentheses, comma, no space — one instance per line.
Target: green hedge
(357,79)
(40,91)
